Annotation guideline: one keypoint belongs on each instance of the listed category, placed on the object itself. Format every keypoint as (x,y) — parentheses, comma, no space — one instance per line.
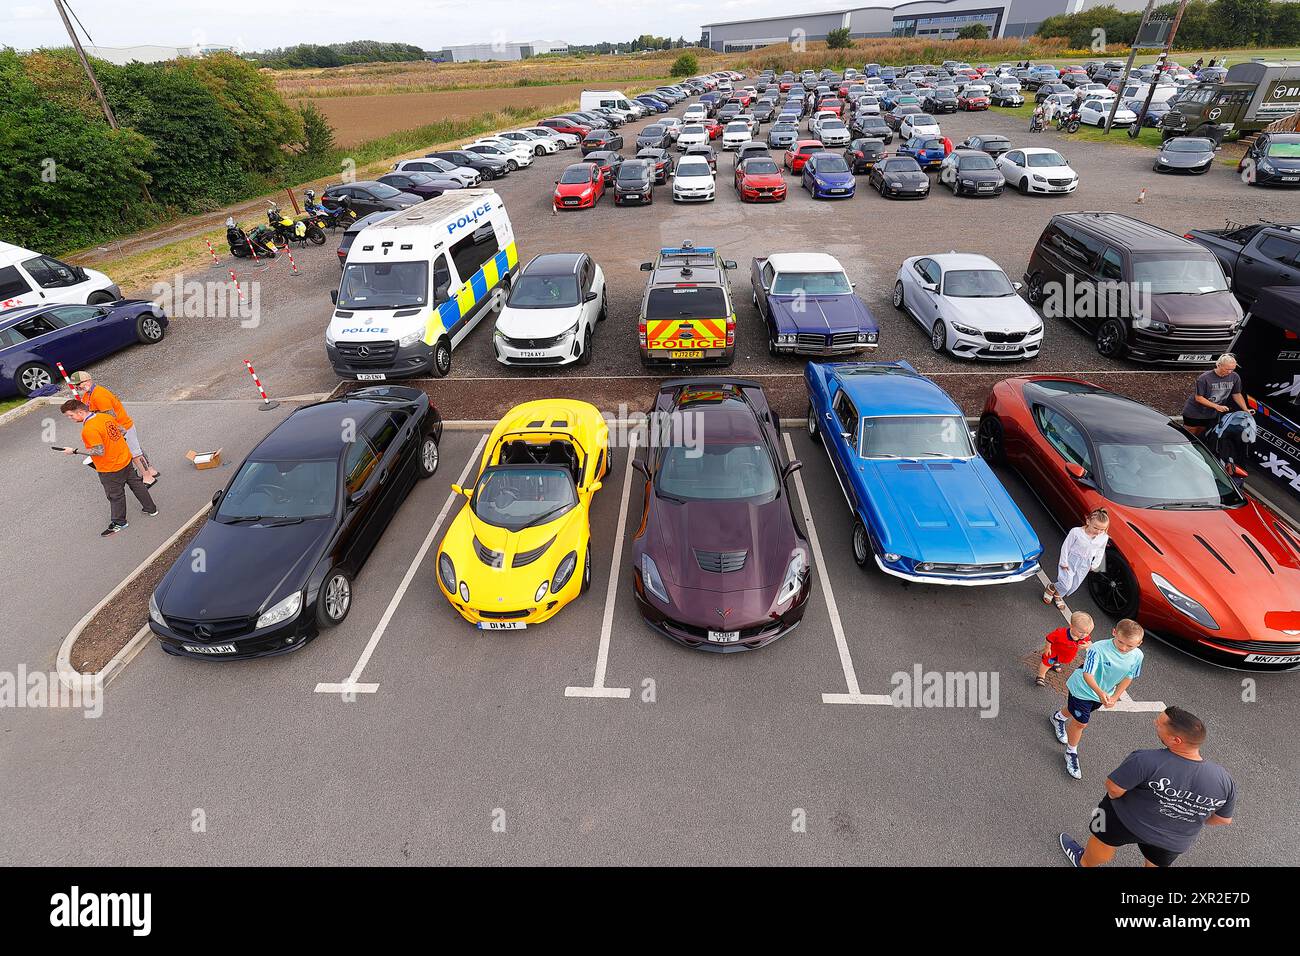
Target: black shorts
(1112,832)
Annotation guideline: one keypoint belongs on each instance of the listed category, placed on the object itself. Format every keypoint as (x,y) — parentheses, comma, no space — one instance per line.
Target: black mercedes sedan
(275,560)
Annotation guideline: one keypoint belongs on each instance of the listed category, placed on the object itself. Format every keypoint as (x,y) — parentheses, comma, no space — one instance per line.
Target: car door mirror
(594,487)
(460,490)
(216,497)
(791,468)
(1076,471)
(729,264)
(1017,286)
(358,496)
(334,296)
(590,297)
(647,267)
(640,466)
(930,286)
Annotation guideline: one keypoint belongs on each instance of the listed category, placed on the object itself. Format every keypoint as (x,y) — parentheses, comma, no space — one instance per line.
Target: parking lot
(406,736)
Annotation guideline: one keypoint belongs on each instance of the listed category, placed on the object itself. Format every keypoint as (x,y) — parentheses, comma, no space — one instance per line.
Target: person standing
(108,451)
(1100,681)
(1062,646)
(1082,551)
(99,399)
(1213,388)
(1159,799)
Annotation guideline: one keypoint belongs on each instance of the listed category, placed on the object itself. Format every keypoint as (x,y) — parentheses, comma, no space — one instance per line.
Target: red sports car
(580,186)
(1203,565)
(799,152)
(759,179)
(972,101)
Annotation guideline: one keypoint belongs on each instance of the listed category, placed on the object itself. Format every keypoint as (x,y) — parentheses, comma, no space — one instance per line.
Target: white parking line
(1126,703)
(855,695)
(351,686)
(598,688)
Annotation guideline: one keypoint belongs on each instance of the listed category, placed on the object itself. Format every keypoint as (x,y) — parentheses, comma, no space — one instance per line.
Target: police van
(415,284)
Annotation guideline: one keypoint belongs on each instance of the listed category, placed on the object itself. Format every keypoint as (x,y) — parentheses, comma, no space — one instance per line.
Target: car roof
(1134,234)
(315,431)
(10,317)
(804,262)
(731,417)
(554,264)
(698,265)
(1105,415)
(892,388)
(964,260)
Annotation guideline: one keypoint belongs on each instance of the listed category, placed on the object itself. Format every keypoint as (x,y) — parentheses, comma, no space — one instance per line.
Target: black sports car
(289,533)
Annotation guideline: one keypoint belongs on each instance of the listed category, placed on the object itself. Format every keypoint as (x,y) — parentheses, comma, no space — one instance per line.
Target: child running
(1107,670)
(1062,645)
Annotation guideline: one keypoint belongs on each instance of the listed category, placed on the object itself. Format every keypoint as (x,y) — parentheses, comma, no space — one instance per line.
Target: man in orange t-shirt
(109,453)
(99,399)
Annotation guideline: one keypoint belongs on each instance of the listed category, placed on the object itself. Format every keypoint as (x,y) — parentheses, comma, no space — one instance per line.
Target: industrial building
(497,50)
(933,19)
(149,53)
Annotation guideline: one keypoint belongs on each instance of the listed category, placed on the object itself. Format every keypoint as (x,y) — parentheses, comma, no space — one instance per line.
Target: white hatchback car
(695,114)
(735,134)
(692,134)
(1037,169)
(552,311)
(536,146)
(918,124)
(563,140)
(969,307)
(693,181)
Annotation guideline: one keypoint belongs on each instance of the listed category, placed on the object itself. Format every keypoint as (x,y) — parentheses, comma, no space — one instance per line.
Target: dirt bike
(289,230)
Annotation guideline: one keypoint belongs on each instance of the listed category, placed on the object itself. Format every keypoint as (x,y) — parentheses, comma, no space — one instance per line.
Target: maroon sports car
(719,562)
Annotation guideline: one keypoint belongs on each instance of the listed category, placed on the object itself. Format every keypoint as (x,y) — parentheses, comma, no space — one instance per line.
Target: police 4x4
(687,315)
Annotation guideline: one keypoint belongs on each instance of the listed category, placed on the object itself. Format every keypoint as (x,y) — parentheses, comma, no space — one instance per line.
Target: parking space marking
(1126,704)
(854,695)
(598,688)
(351,685)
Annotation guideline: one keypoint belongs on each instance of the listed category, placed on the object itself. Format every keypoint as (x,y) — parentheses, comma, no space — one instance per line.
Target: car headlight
(1183,604)
(1150,324)
(1039,179)
(286,610)
(447,572)
(406,341)
(891,558)
(563,572)
(1264,165)
(1036,330)
(155,615)
(794,577)
(867,336)
(585,193)
(329,336)
(570,331)
(650,578)
(966,329)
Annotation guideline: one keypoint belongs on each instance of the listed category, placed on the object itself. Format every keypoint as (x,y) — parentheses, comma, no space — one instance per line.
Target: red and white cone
(67,381)
(293,266)
(238,288)
(212,252)
(267,404)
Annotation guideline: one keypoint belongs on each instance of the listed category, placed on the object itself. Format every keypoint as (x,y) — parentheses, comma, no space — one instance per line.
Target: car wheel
(489,174)
(511,165)
(1024,186)
(897,297)
(1036,294)
(584,357)
(989,440)
(1114,588)
(603,314)
(442,357)
(939,336)
(1111,339)
(428,456)
(334,599)
(539,150)
(586,570)
(99,298)
(861,544)
(812,422)
(148,329)
(32,377)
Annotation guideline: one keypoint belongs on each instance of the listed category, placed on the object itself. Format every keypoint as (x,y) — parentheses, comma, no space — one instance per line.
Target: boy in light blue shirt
(1107,670)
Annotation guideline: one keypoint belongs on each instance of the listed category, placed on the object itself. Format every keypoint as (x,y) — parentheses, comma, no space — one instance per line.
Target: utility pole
(1128,67)
(1161,65)
(85,65)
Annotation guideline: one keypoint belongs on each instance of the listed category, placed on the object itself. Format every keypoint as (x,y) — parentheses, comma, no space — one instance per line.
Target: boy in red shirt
(1062,645)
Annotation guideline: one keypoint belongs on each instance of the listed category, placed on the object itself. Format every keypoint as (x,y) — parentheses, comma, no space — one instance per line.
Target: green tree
(318,134)
(1244,22)
(685,65)
(839,39)
(261,120)
(973,31)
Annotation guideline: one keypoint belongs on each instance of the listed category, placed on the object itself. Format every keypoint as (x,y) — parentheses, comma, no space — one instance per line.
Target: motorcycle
(330,216)
(289,230)
(258,242)
(1068,122)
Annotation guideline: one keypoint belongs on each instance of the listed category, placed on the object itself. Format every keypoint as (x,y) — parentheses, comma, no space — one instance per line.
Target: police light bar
(688,251)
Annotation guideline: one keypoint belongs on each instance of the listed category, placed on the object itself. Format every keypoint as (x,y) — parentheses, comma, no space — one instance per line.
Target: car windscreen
(1189,145)
(977,284)
(687,170)
(283,490)
(831,163)
(384,285)
(1173,475)
(716,473)
(811,283)
(634,172)
(761,167)
(915,436)
(902,166)
(515,497)
(384,191)
(1041,160)
(575,175)
(698,302)
(737,128)
(973,163)
(1284,150)
(1184,274)
(543,292)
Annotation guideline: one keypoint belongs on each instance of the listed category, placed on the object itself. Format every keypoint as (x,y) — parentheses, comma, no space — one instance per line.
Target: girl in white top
(1081,552)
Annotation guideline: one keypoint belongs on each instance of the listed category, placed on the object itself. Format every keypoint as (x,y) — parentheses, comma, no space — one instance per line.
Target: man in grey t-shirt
(1213,389)
(1159,799)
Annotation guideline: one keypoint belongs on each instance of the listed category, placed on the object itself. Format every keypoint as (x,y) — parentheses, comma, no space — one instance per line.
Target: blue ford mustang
(926,508)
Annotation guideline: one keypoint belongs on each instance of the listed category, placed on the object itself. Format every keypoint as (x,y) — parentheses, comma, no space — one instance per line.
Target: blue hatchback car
(35,338)
(926,150)
(925,506)
(827,176)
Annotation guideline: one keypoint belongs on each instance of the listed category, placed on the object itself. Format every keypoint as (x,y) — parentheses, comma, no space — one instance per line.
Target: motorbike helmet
(311,195)
(230,222)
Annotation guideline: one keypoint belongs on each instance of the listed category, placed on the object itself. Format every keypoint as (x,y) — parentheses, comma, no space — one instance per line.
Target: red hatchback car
(713,126)
(580,186)
(759,179)
(561,125)
(976,101)
(798,154)
(1203,565)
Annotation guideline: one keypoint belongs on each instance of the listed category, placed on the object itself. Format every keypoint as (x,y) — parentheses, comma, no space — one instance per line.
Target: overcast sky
(260,24)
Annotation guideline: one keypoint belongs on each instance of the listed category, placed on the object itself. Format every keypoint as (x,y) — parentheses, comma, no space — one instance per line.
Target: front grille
(505,615)
(542,343)
(379,352)
(1060,182)
(219,629)
(1201,334)
(1005,336)
(964,570)
(814,340)
(524,558)
(721,562)
(747,634)
(493,559)
(1259,647)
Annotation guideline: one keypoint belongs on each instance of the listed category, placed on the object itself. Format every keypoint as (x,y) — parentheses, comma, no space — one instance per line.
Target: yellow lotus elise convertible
(520,547)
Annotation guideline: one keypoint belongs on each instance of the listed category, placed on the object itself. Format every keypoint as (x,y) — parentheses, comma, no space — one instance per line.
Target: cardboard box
(205,459)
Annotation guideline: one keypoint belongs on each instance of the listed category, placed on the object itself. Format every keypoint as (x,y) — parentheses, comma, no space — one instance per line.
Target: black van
(1138,290)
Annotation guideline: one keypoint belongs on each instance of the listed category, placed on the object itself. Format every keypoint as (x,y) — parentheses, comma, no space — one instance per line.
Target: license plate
(1004,347)
(632,196)
(1060,189)
(501,625)
(532,354)
(987,188)
(1267,659)
(571,202)
(1290,179)
(371,376)
(724,637)
(692,354)
(1195,357)
(210,648)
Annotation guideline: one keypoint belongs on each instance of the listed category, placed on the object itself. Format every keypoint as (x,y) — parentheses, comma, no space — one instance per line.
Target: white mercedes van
(611,99)
(29,278)
(417,283)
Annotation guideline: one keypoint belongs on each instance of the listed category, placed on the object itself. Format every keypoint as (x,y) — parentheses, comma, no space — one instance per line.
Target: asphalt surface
(464,724)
